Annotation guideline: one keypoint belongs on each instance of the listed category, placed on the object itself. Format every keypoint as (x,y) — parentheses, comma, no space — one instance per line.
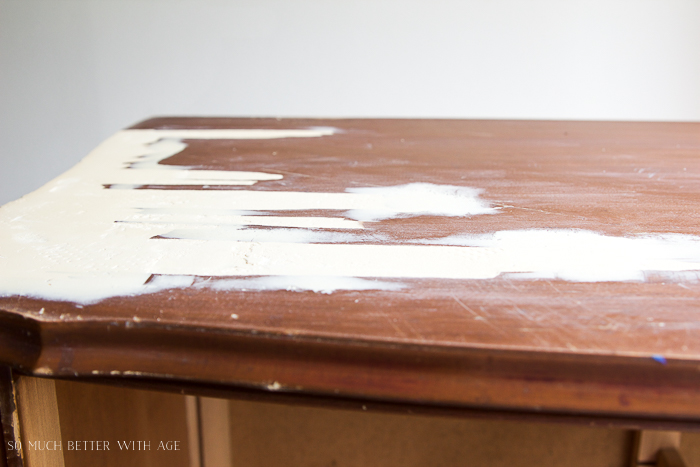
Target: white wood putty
(416,199)
(75,240)
(278,235)
(585,256)
(319,284)
(222,219)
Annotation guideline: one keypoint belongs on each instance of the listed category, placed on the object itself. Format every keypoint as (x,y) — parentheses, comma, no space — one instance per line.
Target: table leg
(31,425)
(216,429)
(657,448)
(12,456)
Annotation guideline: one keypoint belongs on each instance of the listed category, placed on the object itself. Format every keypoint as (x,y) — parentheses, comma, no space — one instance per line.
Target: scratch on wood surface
(465,306)
(512,285)
(409,326)
(552,286)
(536,334)
(564,329)
(565,214)
(323,177)
(537,331)
(302,175)
(477,316)
(584,307)
(522,312)
(393,325)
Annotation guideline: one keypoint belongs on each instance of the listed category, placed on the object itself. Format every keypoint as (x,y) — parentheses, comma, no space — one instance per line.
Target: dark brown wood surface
(553,346)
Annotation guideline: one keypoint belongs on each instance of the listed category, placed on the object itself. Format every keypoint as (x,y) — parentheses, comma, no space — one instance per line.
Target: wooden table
(539,271)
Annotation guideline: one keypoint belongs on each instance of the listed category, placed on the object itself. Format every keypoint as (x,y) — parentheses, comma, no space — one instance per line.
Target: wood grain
(216,437)
(142,419)
(194,430)
(538,346)
(271,434)
(39,422)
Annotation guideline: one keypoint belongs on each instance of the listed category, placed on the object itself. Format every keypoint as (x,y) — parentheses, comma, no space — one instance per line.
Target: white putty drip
(417,199)
(75,240)
(280,235)
(197,211)
(148,171)
(318,284)
(585,256)
(221,219)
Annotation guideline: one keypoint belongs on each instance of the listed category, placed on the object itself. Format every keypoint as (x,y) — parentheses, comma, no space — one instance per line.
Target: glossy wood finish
(528,346)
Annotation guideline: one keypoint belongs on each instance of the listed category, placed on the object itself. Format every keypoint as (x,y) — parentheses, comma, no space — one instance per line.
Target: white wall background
(74,71)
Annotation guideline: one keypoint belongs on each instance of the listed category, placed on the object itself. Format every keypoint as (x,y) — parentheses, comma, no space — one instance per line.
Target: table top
(533,266)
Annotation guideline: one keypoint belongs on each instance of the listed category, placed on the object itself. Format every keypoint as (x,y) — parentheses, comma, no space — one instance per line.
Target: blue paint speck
(659,358)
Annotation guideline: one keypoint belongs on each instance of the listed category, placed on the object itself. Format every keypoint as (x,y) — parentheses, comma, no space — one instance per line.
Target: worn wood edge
(518,380)
(9,417)
(210,122)
(3,451)
(20,340)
